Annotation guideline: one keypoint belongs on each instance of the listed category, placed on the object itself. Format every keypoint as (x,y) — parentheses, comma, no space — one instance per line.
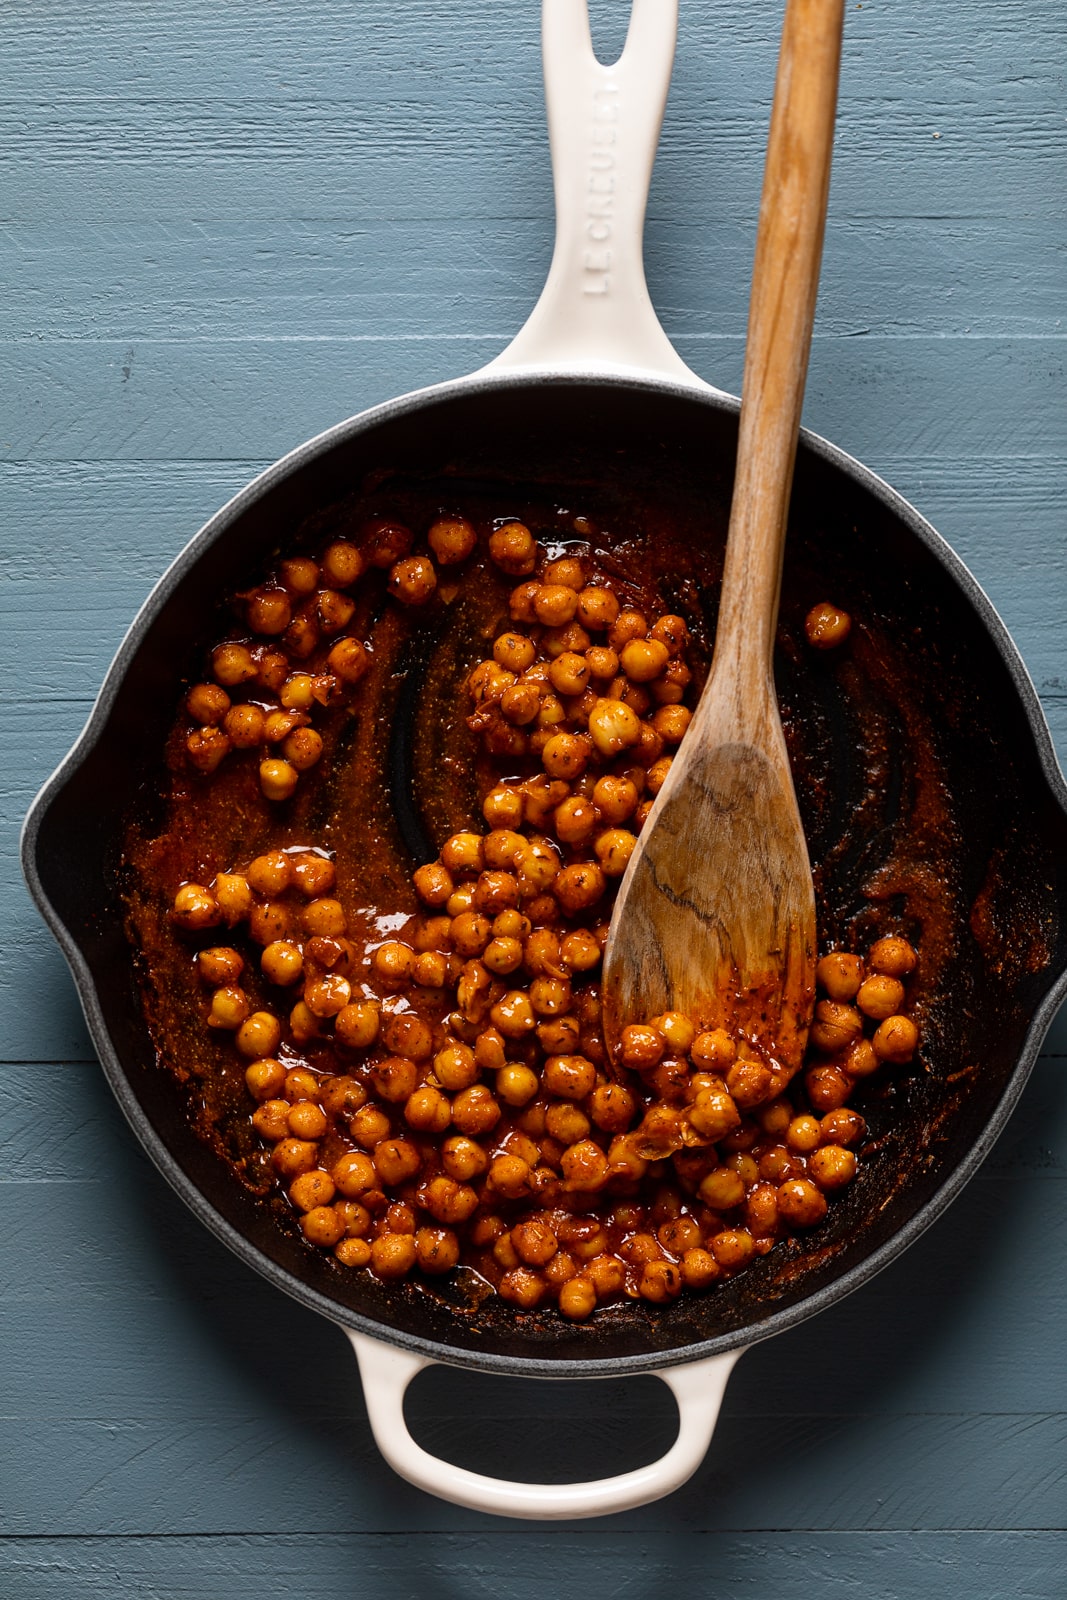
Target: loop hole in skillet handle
(386,1372)
(603,123)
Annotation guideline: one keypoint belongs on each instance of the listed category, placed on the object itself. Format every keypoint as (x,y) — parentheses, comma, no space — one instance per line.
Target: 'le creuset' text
(600,191)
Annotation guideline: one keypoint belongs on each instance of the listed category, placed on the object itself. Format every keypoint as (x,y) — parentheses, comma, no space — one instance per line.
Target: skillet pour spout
(891,747)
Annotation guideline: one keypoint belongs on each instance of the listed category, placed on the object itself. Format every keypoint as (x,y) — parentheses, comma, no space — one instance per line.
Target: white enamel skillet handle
(595,316)
(697,1387)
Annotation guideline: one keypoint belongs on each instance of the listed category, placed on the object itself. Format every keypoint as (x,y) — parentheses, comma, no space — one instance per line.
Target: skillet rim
(68,769)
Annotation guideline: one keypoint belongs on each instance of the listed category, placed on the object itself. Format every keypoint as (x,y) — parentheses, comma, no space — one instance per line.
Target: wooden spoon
(715,916)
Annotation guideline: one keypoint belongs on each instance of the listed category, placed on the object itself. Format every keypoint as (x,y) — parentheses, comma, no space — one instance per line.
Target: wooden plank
(510,1564)
(310,278)
(214,400)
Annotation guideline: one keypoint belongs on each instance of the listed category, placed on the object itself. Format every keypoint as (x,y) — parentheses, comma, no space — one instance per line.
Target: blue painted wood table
(226,227)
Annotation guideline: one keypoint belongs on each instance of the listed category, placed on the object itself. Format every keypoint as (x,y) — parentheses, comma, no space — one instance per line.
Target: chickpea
(455,1067)
(827,1087)
(268,611)
(396,1160)
(832,1167)
(207,703)
(348,660)
(836,1026)
(356,1024)
(579,951)
(585,1167)
(462,854)
(577,1299)
(474,1111)
(627,625)
(550,996)
(393,1255)
(513,549)
(597,608)
(699,1268)
(671,723)
(277,779)
(291,1157)
(394,1078)
(326,996)
(496,891)
(569,673)
(427,1110)
(463,1159)
(393,963)
(271,874)
(244,726)
(842,1126)
(534,1242)
(840,974)
(207,748)
(761,1210)
(661,1281)
(470,933)
(613,727)
(271,1120)
(520,604)
(385,541)
(513,1015)
(642,1046)
(413,581)
(516,1084)
(313,875)
(232,664)
(643,659)
(565,755)
(895,1040)
(334,611)
(353,1252)
(219,966)
(523,1288)
(714,1114)
(613,1107)
(311,1189)
(369,1127)
(303,748)
(229,1008)
(538,865)
(892,956)
(801,1203)
(301,638)
(406,1034)
(569,1077)
(775,1117)
(259,1035)
(880,996)
(722,1189)
(265,1079)
(826,626)
(613,850)
(578,887)
(559,1036)
(803,1134)
(776,1164)
(607,1275)
(657,775)
(733,1248)
(282,962)
(322,1226)
(300,575)
(679,1235)
(270,921)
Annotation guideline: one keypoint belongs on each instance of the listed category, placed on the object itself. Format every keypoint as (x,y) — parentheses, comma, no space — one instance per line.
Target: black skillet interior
(920,775)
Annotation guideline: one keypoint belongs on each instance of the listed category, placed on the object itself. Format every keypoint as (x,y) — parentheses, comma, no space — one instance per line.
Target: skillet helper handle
(386,1372)
(603,125)
(785,282)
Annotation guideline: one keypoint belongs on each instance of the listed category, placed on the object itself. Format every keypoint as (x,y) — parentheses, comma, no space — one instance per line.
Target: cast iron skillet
(592,400)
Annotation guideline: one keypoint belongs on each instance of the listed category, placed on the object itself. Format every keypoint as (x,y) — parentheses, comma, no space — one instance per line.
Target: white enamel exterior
(594,316)
(386,1373)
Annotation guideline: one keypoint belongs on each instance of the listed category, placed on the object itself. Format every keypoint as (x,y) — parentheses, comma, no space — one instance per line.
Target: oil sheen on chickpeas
(404,1056)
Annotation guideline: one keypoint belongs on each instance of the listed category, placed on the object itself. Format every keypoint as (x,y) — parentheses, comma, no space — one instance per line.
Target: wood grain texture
(225,227)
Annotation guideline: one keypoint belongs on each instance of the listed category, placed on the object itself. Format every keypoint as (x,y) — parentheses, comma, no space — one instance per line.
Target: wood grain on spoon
(715,916)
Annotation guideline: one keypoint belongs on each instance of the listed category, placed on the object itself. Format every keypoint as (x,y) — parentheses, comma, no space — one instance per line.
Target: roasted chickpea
(299,575)
(895,1040)
(643,659)
(733,1248)
(840,974)
(427,1110)
(277,779)
(827,1087)
(462,854)
(244,726)
(826,626)
(569,673)
(513,549)
(642,1046)
(265,1079)
(384,541)
(569,1077)
(395,1160)
(801,1203)
(393,1255)
(513,1015)
(413,581)
(282,962)
(229,1008)
(880,996)
(232,664)
(503,807)
(893,956)
(356,1024)
(370,1126)
(613,727)
(627,625)
(835,1027)
(207,703)
(354,1174)
(268,611)
(578,887)
(516,1084)
(207,748)
(259,1035)
(348,660)
(291,1157)
(671,723)
(842,1126)
(394,1078)
(579,951)
(475,1112)
(613,850)
(393,963)
(832,1167)
(342,564)
(334,611)
(565,755)
(219,966)
(722,1189)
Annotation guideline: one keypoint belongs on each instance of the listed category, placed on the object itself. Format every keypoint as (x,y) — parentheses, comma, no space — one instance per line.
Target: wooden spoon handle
(785,281)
